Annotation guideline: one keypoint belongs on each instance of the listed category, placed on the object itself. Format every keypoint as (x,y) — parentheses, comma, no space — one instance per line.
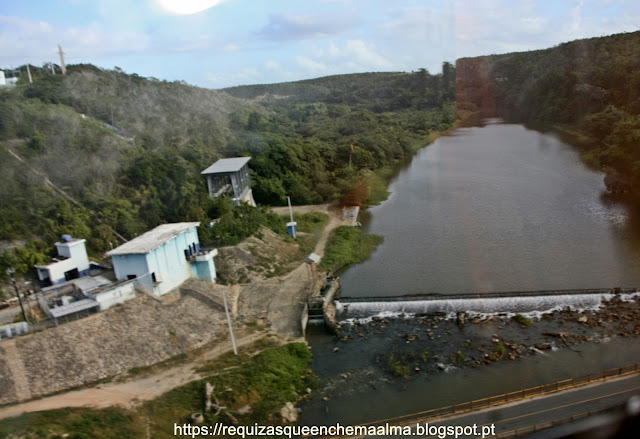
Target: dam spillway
(530,303)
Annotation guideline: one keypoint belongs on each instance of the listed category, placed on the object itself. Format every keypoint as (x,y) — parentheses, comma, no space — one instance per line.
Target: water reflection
(497,208)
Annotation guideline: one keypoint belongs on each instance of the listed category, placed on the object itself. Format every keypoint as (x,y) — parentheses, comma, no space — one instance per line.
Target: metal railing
(523,431)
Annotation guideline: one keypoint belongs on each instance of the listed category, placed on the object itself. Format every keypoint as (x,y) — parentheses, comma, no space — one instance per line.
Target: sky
(236,42)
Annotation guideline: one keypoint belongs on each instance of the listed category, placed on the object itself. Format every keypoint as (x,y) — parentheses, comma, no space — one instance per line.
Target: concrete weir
(322,305)
(523,302)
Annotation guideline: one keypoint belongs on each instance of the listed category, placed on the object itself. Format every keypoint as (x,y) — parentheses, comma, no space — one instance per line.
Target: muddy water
(496,208)
(487,209)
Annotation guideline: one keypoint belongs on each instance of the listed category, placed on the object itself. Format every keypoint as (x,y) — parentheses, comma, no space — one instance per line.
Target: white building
(72,262)
(7,82)
(163,258)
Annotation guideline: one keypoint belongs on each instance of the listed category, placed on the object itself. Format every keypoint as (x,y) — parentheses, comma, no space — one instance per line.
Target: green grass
(500,349)
(346,246)
(397,367)
(78,423)
(266,382)
(526,321)
(311,222)
(378,182)
(457,358)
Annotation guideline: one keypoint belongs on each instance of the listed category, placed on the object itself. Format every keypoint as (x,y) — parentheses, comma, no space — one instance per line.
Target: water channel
(485,209)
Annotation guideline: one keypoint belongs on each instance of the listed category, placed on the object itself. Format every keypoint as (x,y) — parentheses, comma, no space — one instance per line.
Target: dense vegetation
(347,246)
(591,86)
(100,153)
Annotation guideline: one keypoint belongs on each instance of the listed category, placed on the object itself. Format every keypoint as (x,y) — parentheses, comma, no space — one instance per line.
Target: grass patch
(500,349)
(398,368)
(266,382)
(311,222)
(346,246)
(378,182)
(78,423)
(457,358)
(526,321)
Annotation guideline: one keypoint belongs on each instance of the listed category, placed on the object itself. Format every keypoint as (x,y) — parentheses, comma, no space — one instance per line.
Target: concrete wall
(204,267)
(169,263)
(132,265)
(140,333)
(117,295)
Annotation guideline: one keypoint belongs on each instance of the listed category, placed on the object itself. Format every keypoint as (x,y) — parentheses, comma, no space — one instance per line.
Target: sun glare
(187,7)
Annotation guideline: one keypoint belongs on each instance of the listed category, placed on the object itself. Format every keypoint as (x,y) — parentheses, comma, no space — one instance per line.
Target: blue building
(162,258)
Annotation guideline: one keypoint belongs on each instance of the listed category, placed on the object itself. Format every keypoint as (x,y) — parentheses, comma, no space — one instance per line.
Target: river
(496,208)
(484,209)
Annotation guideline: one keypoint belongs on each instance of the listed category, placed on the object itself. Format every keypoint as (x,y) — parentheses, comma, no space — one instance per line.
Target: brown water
(486,209)
(496,208)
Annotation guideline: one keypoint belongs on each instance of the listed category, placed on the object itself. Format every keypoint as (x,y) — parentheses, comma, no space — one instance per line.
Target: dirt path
(130,393)
(335,220)
(284,312)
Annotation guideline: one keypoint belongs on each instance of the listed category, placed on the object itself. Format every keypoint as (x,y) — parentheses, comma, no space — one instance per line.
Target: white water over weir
(530,303)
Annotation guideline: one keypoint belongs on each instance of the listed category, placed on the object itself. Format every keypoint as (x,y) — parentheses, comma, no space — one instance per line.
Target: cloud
(21,39)
(272,65)
(289,27)
(187,7)
(359,54)
(310,65)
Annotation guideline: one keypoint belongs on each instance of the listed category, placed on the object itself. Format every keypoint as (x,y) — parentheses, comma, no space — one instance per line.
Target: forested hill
(128,150)
(375,91)
(592,85)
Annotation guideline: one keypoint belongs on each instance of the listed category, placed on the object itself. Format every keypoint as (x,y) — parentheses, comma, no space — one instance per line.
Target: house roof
(227,165)
(152,239)
(73,307)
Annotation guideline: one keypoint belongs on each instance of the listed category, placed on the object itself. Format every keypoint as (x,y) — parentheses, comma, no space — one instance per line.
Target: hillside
(591,86)
(127,151)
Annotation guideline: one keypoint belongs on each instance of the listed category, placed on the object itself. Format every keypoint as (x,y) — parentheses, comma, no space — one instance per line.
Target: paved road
(542,409)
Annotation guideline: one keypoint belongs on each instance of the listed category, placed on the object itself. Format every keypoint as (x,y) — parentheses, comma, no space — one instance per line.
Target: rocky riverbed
(378,351)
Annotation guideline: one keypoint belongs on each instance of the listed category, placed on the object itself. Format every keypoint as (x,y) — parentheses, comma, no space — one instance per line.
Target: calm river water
(496,208)
(493,208)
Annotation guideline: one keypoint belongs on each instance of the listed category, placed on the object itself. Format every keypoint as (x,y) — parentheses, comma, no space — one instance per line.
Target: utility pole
(291,225)
(11,272)
(53,72)
(226,310)
(29,74)
(63,67)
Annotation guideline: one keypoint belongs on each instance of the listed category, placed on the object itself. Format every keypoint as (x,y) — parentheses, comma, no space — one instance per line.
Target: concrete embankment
(489,303)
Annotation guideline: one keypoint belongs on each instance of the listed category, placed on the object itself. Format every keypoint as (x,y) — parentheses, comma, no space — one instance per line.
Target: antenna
(62,66)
